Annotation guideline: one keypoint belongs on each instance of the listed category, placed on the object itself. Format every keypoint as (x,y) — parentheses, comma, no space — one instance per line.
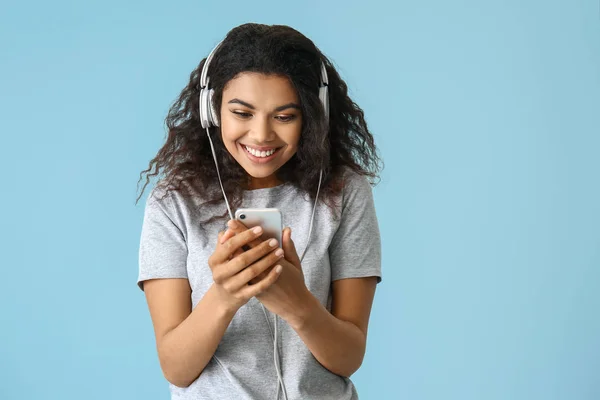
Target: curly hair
(185,162)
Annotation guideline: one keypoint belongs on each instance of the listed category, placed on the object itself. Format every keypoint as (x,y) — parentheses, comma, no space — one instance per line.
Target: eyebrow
(250,106)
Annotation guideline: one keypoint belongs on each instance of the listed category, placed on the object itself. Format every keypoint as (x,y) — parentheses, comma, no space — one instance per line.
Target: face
(261,123)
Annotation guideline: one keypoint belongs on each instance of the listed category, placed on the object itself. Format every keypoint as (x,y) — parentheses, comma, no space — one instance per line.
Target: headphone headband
(208,115)
(203,76)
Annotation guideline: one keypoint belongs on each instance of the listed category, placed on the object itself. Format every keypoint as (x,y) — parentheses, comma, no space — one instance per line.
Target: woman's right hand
(233,269)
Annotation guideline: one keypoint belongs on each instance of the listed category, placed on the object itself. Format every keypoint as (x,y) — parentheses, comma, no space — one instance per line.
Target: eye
(281,118)
(286,118)
(242,115)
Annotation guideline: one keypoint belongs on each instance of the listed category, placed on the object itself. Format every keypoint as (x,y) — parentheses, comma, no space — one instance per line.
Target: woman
(277,143)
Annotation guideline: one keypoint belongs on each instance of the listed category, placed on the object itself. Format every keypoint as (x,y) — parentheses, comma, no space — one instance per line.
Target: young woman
(286,135)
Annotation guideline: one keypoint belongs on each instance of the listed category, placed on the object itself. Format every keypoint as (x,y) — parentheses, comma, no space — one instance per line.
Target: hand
(233,269)
(288,296)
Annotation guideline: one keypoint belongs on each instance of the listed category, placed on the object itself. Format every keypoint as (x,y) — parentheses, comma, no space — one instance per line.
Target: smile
(261,155)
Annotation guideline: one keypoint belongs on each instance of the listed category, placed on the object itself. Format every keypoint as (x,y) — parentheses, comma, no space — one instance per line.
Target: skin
(262,112)
(336,339)
(187,338)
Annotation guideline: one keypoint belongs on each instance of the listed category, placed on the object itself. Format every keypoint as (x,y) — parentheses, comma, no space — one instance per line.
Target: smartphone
(269,218)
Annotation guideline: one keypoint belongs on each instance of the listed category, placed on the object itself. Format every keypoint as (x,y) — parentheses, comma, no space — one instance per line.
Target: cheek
(230,131)
(291,135)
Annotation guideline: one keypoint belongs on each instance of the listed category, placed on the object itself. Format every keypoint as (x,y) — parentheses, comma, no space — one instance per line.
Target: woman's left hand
(288,297)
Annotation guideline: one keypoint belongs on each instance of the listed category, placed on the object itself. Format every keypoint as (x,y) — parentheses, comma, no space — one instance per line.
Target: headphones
(208,119)
(208,113)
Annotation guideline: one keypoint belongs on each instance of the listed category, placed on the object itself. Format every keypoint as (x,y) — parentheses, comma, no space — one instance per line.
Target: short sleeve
(163,249)
(355,250)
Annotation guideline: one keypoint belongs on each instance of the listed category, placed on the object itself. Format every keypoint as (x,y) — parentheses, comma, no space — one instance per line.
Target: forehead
(260,89)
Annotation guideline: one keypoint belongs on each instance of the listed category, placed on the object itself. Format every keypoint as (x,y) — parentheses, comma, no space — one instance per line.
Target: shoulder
(168,202)
(355,185)
(174,198)
(160,199)
(352,177)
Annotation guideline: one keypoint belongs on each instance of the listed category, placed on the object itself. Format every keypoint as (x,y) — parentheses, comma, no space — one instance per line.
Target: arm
(186,340)
(338,339)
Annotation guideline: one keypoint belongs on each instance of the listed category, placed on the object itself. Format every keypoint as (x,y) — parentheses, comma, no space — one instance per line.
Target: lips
(260,154)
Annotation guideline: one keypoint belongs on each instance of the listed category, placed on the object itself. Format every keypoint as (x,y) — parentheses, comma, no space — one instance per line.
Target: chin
(259,173)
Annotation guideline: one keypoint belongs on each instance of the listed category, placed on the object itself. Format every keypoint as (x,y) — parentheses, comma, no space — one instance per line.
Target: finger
(250,274)
(237,253)
(260,276)
(226,236)
(261,286)
(224,251)
(290,249)
(239,227)
(249,257)
(229,233)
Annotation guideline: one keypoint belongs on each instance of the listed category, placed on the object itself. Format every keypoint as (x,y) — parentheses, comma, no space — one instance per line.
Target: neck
(263,183)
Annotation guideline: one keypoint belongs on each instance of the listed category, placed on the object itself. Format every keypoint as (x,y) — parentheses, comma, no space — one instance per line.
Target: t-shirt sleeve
(355,250)
(163,249)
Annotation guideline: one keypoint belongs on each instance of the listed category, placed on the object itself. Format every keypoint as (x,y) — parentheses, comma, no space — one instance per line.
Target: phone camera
(242,216)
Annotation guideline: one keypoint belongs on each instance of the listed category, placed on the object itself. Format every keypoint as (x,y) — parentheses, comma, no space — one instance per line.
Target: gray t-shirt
(175,244)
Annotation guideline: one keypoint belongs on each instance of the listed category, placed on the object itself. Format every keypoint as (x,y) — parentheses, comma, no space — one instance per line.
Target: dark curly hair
(185,161)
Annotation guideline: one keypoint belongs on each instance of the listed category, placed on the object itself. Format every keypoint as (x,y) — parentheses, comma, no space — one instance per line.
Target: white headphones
(208,119)
(208,114)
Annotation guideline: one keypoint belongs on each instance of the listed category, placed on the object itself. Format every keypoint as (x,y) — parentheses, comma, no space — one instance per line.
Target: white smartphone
(269,218)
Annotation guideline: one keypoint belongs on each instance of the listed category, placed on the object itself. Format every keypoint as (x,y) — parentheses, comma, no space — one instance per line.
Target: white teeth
(260,154)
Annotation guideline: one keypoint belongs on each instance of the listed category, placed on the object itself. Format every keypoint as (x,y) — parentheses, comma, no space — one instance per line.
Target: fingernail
(278,269)
(279,252)
(273,243)
(230,223)
(257,229)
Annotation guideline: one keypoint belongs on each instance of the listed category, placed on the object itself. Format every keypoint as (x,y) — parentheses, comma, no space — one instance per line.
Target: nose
(261,130)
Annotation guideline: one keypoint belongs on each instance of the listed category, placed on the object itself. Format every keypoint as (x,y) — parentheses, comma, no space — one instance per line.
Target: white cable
(273,331)
(278,362)
(280,385)
(268,323)
(275,340)
(313,216)
(218,173)
(207,122)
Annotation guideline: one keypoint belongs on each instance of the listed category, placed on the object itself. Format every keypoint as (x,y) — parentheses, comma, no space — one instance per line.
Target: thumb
(289,248)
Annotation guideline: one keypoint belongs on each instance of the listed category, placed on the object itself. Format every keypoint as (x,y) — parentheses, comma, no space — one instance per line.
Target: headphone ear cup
(204,120)
(324,97)
(212,112)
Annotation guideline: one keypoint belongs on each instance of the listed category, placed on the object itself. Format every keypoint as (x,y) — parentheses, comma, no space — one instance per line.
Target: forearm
(338,345)
(187,349)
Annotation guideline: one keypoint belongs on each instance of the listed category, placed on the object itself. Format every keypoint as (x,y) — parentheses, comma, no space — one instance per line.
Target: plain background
(487,114)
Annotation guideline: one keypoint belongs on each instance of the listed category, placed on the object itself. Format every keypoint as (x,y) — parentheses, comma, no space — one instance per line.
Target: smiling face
(261,123)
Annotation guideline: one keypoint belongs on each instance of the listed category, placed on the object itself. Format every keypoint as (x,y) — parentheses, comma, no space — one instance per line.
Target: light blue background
(488,118)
